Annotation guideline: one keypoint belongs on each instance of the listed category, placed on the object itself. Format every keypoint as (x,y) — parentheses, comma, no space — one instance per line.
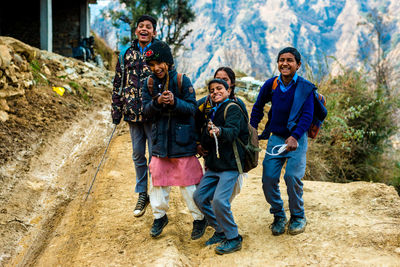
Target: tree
(173,17)
(377,46)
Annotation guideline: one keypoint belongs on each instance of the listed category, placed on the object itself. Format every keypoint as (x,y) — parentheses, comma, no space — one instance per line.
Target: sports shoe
(216,238)
(278,226)
(143,201)
(297,225)
(199,227)
(158,226)
(229,245)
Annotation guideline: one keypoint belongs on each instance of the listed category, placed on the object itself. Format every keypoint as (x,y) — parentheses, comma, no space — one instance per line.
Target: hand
(201,151)
(212,129)
(291,144)
(167,98)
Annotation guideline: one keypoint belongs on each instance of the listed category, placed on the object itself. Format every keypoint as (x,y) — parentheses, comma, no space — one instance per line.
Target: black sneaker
(143,201)
(230,245)
(278,226)
(158,226)
(199,227)
(216,238)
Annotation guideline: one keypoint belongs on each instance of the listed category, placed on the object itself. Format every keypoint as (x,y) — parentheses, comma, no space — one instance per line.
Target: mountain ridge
(247,35)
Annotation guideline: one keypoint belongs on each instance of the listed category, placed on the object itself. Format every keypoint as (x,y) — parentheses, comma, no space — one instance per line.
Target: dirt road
(355,224)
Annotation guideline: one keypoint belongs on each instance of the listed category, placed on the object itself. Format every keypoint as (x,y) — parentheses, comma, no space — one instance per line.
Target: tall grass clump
(354,141)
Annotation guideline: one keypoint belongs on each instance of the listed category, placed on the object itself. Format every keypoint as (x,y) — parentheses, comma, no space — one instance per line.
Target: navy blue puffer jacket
(173,130)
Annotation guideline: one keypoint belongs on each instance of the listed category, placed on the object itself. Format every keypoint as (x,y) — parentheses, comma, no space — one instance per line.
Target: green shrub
(355,137)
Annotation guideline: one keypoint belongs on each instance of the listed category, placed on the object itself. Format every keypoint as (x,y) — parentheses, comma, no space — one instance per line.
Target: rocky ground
(51,147)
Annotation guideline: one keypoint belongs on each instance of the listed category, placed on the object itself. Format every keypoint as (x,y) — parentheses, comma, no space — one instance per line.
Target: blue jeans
(140,131)
(295,169)
(218,188)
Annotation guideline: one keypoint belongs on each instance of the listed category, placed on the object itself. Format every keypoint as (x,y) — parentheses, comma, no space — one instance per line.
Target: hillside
(247,35)
(55,145)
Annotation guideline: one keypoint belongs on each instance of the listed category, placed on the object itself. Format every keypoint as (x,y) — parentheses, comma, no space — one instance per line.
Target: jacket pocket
(183,134)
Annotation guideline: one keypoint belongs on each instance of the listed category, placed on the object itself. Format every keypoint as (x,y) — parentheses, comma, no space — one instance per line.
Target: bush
(355,137)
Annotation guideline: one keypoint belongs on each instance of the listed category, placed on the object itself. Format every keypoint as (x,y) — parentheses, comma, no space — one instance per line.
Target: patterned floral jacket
(129,103)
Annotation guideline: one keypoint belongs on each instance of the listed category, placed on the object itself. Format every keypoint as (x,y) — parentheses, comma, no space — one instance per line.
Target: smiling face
(159,69)
(287,65)
(218,92)
(145,32)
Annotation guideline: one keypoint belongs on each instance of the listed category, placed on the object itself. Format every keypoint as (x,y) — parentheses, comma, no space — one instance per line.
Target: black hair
(292,51)
(232,77)
(220,81)
(149,18)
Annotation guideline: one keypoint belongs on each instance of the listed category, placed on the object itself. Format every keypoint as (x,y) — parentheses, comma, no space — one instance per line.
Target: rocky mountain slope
(247,35)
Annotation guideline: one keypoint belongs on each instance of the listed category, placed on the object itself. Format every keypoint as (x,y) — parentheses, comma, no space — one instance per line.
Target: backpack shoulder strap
(121,59)
(275,84)
(150,84)
(179,81)
(226,108)
(234,145)
(237,104)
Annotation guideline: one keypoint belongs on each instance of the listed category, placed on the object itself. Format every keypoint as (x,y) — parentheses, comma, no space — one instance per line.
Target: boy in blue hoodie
(290,117)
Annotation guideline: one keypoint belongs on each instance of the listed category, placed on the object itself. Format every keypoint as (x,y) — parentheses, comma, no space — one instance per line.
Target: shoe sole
(141,212)
(159,233)
(276,234)
(296,232)
(219,242)
(220,252)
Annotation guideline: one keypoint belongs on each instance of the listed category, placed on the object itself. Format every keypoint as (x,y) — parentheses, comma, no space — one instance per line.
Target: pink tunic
(183,171)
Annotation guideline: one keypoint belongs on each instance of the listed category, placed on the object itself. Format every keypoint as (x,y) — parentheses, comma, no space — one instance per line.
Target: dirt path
(45,221)
(356,224)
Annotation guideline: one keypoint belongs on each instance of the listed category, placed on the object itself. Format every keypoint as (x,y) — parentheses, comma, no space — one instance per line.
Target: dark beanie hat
(159,51)
(149,18)
(220,81)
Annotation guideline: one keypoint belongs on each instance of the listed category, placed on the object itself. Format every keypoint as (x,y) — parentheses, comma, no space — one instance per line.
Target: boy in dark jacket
(290,117)
(128,103)
(222,172)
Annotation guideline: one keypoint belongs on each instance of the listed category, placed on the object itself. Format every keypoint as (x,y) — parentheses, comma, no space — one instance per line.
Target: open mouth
(159,73)
(144,34)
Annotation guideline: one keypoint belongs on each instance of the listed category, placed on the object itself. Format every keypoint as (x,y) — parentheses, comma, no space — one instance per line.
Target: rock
(3,116)
(12,91)
(61,73)
(68,88)
(46,70)
(3,81)
(5,57)
(28,84)
(4,105)
(19,47)
(18,59)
